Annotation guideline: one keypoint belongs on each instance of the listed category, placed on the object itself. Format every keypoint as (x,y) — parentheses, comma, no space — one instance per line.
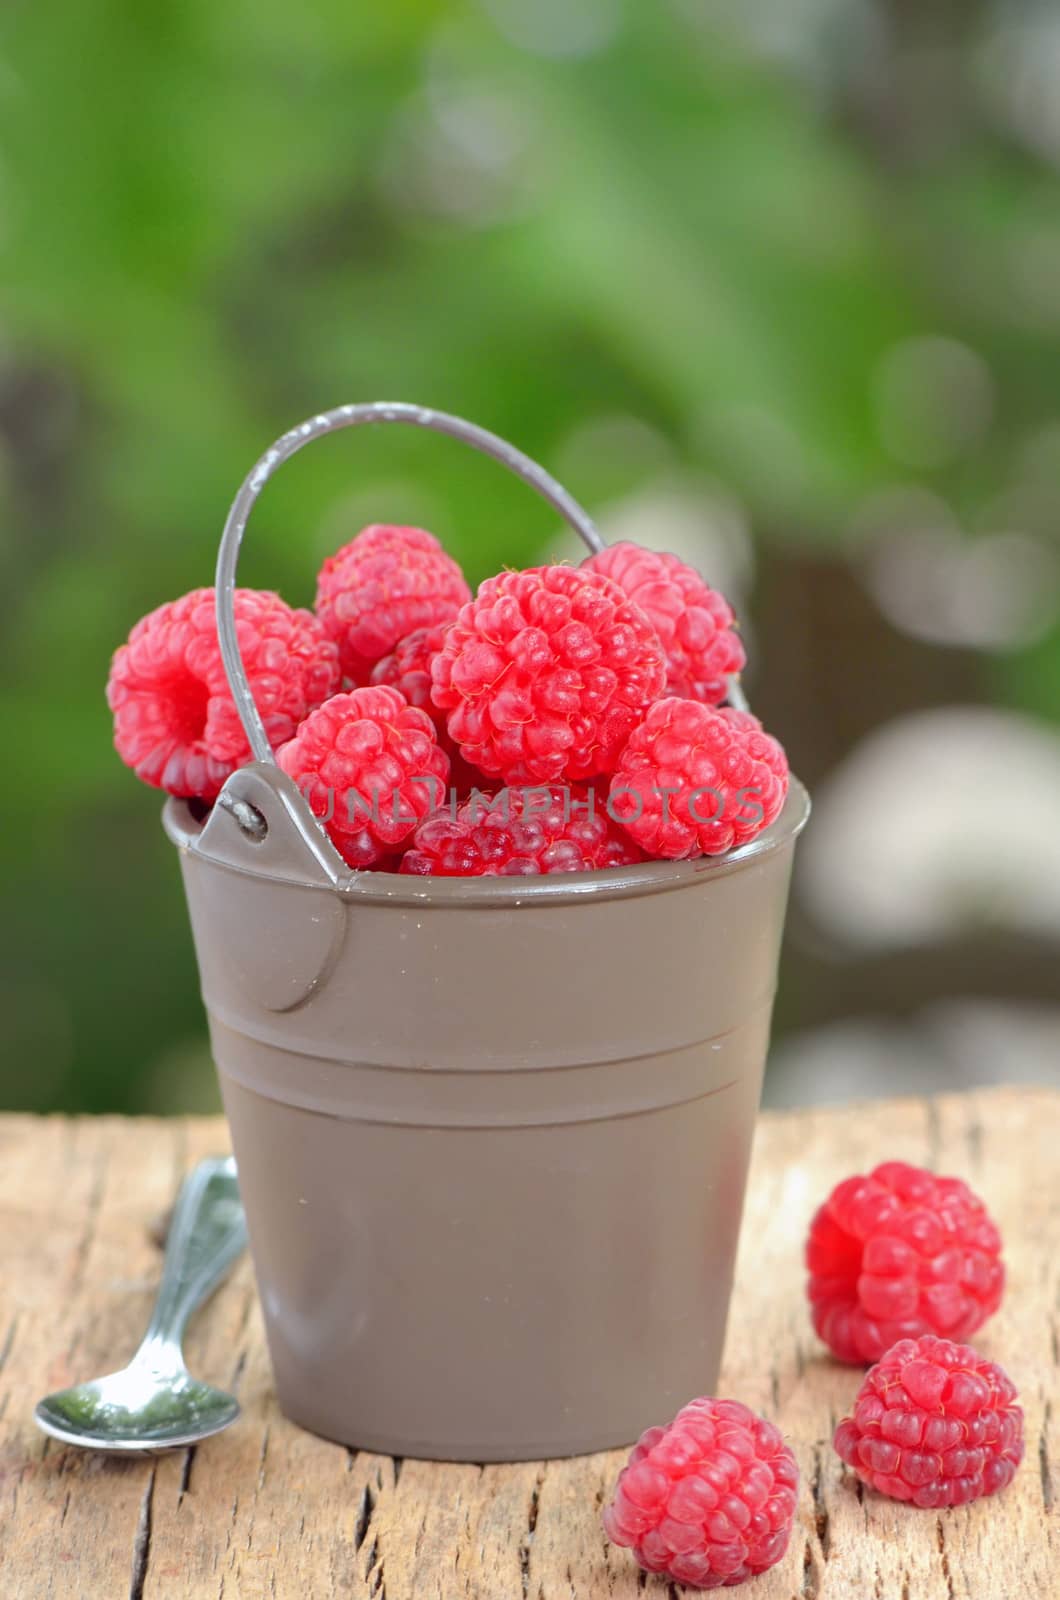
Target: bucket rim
(607,883)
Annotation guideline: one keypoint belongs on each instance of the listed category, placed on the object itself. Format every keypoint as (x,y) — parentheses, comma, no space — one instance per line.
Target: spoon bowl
(135,1409)
(154,1403)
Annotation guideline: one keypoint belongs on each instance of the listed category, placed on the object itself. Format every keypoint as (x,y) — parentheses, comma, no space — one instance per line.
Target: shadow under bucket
(492,1134)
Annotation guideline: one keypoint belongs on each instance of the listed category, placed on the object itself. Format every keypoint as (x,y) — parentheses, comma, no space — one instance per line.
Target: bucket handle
(289,444)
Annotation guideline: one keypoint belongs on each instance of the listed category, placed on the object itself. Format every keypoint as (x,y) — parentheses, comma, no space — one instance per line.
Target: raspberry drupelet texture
(694,622)
(381,586)
(370,766)
(519,833)
(175,722)
(408,668)
(897,1253)
(935,1424)
(544,675)
(694,780)
(709,1500)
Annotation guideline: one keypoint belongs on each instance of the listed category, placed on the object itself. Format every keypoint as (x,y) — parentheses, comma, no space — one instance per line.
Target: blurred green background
(775,283)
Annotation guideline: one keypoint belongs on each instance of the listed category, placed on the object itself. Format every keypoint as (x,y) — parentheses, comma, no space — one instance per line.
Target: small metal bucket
(492,1134)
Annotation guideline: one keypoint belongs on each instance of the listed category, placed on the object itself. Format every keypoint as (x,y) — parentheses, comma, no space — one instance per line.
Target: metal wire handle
(489,444)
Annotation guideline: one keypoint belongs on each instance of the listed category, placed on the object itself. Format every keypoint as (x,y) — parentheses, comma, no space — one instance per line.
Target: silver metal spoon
(154,1403)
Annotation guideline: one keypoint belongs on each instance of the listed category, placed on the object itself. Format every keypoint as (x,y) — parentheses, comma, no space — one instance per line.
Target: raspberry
(694,780)
(519,833)
(694,622)
(545,674)
(935,1424)
(175,722)
(897,1254)
(370,767)
(708,1500)
(408,668)
(379,587)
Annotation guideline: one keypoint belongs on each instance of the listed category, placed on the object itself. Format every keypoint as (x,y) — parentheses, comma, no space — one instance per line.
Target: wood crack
(527,1541)
(9,1341)
(93,1208)
(821,1520)
(141,1553)
(238,1371)
(973,1135)
(376,1580)
(1044,1470)
(365,1507)
(944,1557)
(185,1474)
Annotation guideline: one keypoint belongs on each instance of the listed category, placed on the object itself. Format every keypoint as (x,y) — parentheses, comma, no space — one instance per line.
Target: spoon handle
(207,1235)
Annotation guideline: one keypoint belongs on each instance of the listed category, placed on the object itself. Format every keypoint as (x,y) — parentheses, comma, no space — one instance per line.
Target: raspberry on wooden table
(694,622)
(381,586)
(897,1253)
(708,1500)
(175,722)
(694,780)
(935,1424)
(519,833)
(370,767)
(545,674)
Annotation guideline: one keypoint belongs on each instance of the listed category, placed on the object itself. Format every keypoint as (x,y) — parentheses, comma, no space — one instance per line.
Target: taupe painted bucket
(492,1134)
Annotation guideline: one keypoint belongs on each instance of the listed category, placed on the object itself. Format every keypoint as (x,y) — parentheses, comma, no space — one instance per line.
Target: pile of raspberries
(903,1264)
(563,719)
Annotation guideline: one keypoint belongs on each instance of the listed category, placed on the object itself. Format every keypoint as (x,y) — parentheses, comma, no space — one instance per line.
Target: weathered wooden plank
(78,1273)
(266,1510)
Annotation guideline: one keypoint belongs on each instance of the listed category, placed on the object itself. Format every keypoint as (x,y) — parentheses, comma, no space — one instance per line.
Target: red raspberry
(408,668)
(370,767)
(935,1424)
(694,621)
(709,1500)
(175,722)
(379,587)
(899,1253)
(519,833)
(694,780)
(546,673)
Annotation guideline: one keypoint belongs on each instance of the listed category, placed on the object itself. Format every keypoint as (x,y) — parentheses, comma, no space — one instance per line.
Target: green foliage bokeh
(220,218)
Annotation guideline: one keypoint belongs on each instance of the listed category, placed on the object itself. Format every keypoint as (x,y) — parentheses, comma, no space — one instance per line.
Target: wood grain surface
(266,1510)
